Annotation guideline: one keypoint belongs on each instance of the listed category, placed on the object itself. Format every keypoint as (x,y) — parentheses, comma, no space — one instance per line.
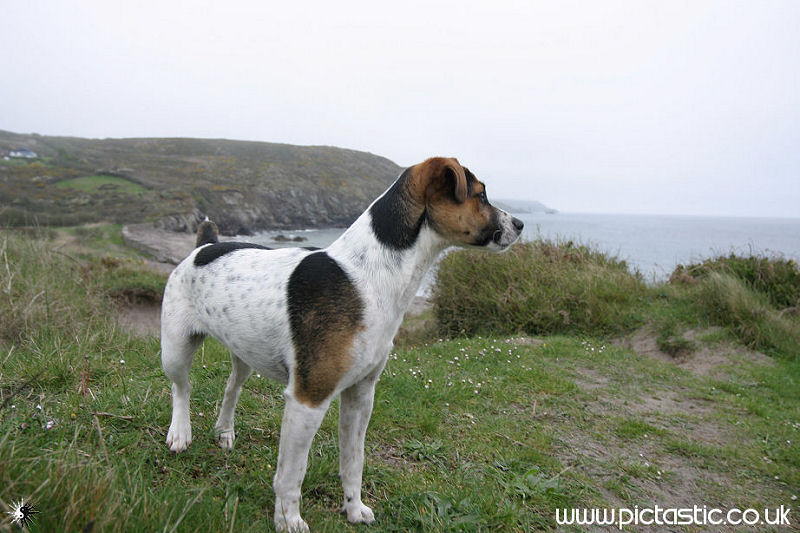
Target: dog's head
(457,208)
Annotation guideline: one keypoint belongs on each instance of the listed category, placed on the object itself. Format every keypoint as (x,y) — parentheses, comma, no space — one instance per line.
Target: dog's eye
(482,197)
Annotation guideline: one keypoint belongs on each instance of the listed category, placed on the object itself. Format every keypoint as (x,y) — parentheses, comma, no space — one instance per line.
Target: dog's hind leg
(240,371)
(177,352)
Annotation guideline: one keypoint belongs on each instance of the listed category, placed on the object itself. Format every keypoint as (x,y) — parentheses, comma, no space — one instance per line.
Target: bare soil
(708,360)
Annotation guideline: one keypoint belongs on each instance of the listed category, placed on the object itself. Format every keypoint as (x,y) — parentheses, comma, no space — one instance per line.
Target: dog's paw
(291,525)
(179,437)
(358,513)
(226,439)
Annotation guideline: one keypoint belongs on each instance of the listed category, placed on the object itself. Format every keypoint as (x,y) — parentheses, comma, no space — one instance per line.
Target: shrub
(776,277)
(540,287)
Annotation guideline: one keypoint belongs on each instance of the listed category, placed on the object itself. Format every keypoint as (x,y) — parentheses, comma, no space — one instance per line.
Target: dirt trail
(708,360)
(667,478)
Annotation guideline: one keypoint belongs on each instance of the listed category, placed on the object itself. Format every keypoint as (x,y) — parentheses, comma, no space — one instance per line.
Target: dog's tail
(207,233)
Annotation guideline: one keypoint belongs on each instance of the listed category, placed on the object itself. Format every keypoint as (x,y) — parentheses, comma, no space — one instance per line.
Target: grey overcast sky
(619,107)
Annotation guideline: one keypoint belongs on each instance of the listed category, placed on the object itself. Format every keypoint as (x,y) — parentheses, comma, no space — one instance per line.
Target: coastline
(170,247)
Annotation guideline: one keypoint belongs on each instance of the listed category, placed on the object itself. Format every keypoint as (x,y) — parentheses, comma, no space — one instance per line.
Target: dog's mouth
(497,236)
(504,239)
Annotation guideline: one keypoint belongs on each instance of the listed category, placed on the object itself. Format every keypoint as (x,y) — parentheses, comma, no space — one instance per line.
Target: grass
(100,182)
(670,341)
(774,276)
(748,313)
(14,162)
(469,434)
(550,287)
(540,287)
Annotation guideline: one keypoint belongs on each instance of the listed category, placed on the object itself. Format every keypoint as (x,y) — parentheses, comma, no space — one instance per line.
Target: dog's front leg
(300,424)
(354,414)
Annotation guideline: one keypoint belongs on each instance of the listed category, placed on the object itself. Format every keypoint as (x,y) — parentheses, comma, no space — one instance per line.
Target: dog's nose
(518,224)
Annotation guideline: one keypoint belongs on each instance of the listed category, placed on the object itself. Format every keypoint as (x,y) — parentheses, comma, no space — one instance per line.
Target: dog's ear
(437,176)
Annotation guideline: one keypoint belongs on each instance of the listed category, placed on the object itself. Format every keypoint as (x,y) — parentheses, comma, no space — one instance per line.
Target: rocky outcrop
(163,245)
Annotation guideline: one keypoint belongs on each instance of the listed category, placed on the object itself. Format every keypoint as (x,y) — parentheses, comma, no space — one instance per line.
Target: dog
(320,321)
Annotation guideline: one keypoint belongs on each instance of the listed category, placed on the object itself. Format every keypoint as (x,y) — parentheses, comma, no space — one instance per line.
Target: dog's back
(236,292)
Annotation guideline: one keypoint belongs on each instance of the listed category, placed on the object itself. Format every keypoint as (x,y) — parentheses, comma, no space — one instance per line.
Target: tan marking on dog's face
(455,201)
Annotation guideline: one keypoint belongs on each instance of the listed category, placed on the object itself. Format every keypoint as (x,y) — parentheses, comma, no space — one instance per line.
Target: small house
(23,152)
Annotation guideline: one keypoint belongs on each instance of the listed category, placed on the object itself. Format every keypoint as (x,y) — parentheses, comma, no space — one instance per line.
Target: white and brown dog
(322,322)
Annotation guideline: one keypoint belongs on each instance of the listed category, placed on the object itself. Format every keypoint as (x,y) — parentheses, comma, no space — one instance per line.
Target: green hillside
(244,186)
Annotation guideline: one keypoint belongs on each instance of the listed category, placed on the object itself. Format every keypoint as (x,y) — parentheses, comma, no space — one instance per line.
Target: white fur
(240,299)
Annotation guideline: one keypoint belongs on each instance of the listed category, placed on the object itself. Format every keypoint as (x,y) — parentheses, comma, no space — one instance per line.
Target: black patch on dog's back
(325,311)
(213,252)
(391,219)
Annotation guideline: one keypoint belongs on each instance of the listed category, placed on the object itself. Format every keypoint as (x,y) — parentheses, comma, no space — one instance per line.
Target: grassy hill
(244,186)
(479,432)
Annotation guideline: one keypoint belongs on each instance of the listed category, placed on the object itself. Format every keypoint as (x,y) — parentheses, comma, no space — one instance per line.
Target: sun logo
(22,512)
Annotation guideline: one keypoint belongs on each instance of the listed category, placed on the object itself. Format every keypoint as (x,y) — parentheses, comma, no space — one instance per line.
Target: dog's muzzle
(509,231)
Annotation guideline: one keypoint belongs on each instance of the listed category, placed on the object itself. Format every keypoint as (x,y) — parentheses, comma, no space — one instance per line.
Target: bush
(540,287)
(776,277)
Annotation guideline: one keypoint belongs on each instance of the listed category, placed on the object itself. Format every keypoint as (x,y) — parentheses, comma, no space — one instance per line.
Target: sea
(651,244)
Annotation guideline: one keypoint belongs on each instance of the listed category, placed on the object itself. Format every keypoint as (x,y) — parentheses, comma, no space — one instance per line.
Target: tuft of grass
(670,341)
(41,290)
(125,279)
(632,429)
(775,277)
(540,287)
(729,302)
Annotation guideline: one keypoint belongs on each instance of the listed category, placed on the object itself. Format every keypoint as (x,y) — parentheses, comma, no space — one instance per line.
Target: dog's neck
(393,254)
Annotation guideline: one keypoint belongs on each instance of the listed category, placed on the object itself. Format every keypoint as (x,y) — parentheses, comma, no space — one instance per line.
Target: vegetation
(243,186)
(94,183)
(671,342)
(487,433)
(731,303)
(777,278)
(547,287)
(540,288)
